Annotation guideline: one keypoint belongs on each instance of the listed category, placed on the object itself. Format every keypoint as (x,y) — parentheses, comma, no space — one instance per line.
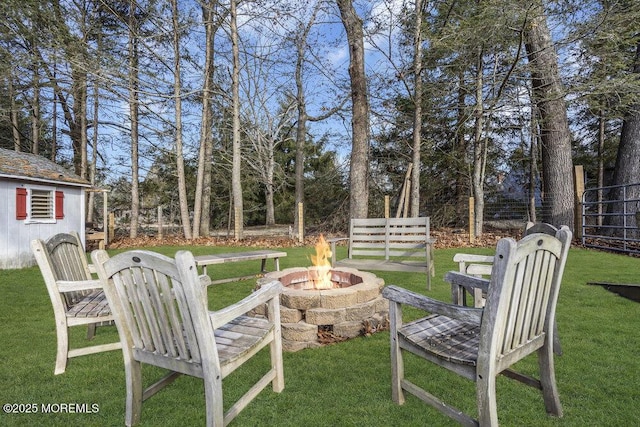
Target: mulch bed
(445,238)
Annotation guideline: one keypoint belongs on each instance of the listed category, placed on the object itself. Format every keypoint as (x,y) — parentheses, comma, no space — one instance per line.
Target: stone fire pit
(308,316)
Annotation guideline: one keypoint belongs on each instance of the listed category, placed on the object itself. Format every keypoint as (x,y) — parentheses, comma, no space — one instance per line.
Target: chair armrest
(92,269)
(468,282)
(473,258)
(333,242)
(78,285)
(336,239)
(205,280)
(263,295)
(423,302)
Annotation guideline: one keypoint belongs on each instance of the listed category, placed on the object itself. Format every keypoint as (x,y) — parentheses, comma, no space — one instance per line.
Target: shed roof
(18,165)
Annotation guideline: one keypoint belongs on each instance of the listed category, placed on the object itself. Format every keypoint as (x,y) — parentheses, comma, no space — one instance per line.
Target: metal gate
(611,218)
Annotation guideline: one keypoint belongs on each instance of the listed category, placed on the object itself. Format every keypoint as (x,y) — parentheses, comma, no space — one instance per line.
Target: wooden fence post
(386,206)
(578,180)
(112,227)
(300,222)
(105,214)
(472,220)
(160,225)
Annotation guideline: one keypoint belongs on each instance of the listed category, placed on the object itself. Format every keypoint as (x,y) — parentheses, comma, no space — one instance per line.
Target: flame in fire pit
(322,263)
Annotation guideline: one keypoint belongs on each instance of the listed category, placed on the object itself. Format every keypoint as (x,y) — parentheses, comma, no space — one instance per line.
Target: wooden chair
(160,308)
(480,343)
(76,297)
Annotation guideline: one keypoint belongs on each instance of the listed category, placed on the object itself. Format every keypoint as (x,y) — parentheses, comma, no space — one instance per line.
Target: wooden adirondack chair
(480,343)
(160,308)
(76,297)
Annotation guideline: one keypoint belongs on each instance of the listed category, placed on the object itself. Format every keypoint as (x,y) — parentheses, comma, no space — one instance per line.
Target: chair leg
(91,331)
(133,374)
(62,354)
(486,397)
(276,360)
(213,400)
(548,381)
(397,364)
(557,347)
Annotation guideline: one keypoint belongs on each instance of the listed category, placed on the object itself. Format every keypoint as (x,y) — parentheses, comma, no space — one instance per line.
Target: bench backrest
(389,237)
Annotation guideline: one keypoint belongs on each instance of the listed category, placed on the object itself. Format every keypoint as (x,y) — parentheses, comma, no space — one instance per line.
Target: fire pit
(311,317)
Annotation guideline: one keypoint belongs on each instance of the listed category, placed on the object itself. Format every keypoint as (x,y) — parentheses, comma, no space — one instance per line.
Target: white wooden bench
(388,244)
(263,255)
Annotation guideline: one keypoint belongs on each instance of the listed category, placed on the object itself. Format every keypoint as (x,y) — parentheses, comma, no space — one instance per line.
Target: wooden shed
(39,198)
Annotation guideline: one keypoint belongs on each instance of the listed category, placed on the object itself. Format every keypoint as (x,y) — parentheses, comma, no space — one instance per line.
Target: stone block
(381,305)
(360,311)
(290,315)
(325,316)
(368,293)
(348,329)
(293,346)
(299,332)
(300,299)
(338,298)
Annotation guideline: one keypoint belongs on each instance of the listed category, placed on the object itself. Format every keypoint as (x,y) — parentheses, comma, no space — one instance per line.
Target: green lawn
(346,384)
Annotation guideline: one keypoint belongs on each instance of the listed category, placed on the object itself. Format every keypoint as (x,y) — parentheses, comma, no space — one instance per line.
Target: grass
(346,384)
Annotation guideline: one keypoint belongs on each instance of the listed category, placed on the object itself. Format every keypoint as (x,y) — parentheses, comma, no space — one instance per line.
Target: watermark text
(51,408)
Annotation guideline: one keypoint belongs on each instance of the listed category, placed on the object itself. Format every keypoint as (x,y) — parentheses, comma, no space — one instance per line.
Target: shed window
(39,204)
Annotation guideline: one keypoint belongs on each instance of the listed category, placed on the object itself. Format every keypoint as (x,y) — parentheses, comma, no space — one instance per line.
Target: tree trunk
(236,184)
(94,154)
(460,154)
(533,168)
(417,112)
(35,113)
(359,169)
(177,95)
(15,125)
(601,139)
(627,170)
(479,150)
(202,208)
(269,190)
(133,111)
(548,94)
(301,131)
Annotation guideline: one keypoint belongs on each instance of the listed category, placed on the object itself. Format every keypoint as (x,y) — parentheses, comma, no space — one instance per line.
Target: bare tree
(359,169)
